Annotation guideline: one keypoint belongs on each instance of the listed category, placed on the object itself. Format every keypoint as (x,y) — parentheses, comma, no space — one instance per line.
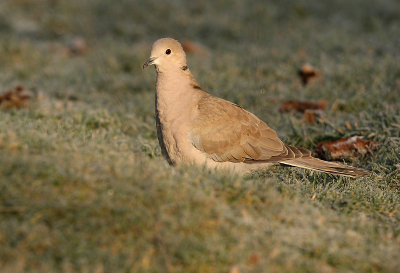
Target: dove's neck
(176,91)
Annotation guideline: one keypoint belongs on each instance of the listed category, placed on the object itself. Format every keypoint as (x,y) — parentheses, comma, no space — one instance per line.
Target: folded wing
(227,132)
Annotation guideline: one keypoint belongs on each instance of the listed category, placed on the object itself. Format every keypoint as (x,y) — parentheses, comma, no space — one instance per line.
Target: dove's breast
(172,137)
(173,120)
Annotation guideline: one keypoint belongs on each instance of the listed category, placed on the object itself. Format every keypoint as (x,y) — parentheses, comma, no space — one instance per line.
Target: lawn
(83,185)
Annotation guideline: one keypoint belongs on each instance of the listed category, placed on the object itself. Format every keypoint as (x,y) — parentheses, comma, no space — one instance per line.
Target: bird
(195,127)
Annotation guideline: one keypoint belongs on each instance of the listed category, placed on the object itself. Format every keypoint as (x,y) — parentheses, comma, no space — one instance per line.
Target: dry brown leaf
(346,148)
(311,116)
(254,259)
(234,269)
(308,73)
(302,106)
(77,46)
(195,48)
(15,98)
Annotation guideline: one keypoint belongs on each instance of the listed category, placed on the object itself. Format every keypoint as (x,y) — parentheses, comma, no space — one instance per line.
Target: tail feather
(315,164)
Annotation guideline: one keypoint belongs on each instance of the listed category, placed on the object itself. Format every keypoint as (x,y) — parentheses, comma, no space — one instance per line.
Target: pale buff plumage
(196,127)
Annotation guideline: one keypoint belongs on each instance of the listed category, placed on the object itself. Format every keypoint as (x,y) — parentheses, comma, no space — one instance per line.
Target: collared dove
(196,127)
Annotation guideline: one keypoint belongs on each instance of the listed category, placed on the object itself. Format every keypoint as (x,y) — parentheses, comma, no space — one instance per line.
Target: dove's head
(166,52)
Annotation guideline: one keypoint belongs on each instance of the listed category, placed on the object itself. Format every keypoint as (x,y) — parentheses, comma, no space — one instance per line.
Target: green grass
(83,187)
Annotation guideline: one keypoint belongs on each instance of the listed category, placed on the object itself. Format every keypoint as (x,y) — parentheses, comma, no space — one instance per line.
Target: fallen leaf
(77,46)
(234,269)
(302,106)
(15,98)
(311,116)
(254,259)
(346,148)
(308,73)
(195,48)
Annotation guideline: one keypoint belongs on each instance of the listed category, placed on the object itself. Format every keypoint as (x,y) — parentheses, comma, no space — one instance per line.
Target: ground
(83,185)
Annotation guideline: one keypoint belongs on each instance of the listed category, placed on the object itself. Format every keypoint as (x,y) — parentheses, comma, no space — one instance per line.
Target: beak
(149,62)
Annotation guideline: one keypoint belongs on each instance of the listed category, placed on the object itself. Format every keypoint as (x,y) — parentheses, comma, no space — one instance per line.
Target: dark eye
(168,51)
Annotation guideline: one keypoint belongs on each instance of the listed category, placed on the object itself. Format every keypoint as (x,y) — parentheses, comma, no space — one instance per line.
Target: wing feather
(227,132)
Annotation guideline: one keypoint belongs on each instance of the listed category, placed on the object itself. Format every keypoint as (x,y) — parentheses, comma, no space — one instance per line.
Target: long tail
(315,164)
